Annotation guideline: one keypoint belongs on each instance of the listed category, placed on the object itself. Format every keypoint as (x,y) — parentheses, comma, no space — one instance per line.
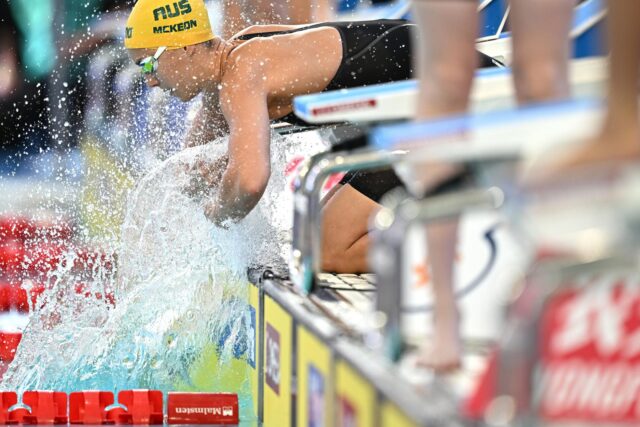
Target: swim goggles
(149,65)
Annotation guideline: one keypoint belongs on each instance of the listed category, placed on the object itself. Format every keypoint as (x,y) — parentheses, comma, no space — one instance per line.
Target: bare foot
(600,152)
(443,353)
(610,149)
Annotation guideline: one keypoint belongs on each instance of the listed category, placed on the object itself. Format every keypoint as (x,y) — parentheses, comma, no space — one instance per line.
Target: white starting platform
(492,90)
(492,87)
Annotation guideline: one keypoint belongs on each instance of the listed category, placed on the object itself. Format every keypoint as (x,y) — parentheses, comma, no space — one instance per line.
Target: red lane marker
(202,408)
(47,407)
(88,407)
(143,406)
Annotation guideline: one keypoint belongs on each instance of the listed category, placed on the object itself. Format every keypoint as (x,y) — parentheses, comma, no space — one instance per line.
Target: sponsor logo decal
(226,411)
(175,28)
(293,168)
(202,408)
(359,105)
(272,373)
(172,10)
(128,32)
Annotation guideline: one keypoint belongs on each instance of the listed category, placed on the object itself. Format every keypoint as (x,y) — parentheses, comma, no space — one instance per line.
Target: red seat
(47,407)
(143,406)
(7,400)
(88,407)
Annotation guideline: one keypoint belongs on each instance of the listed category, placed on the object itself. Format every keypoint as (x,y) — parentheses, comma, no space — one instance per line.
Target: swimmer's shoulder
(245,66)
(268,61)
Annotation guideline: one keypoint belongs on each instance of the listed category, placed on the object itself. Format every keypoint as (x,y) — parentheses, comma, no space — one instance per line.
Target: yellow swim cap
(174,24)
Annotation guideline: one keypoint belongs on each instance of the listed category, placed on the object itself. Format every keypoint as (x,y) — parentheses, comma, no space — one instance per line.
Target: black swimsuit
(372,51)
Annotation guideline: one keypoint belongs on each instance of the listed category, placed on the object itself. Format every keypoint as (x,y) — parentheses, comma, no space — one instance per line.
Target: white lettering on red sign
(598,318)
(591,352)
(604,391)
(207,410)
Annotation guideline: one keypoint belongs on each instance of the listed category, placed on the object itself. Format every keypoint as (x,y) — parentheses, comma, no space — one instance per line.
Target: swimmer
(253,77)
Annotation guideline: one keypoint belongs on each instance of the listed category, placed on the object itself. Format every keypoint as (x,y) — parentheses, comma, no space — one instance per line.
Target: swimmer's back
(373,52)
(331,55)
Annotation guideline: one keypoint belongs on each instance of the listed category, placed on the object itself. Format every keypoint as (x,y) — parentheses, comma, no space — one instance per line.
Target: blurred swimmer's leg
(446,63)
(619,138)
(345,238)
(446,55)
(541,48)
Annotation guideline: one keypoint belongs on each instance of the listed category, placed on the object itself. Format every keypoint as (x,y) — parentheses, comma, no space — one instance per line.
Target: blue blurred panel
(491,17)
(589,29)
(347,5)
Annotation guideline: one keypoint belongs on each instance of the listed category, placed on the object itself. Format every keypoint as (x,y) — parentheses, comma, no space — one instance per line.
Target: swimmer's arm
(248,169)
(208,124)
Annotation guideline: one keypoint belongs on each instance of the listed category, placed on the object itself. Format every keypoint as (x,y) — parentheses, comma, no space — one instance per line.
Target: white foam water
(180,286)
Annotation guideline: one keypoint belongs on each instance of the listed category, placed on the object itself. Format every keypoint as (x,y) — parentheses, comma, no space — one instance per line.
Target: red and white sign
(202,408)
(338,108)
(590,353)
(293,167)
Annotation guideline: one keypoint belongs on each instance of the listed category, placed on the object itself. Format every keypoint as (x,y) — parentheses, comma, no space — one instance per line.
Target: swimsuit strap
(279,33)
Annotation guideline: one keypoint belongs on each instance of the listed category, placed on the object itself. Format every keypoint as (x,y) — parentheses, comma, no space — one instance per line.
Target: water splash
(180,290)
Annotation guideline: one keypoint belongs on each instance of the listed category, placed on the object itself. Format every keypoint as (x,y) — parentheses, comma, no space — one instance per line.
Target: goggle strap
(159,52)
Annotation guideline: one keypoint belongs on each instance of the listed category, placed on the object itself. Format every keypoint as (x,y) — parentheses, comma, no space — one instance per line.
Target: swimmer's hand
(205,176)
(214,215)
